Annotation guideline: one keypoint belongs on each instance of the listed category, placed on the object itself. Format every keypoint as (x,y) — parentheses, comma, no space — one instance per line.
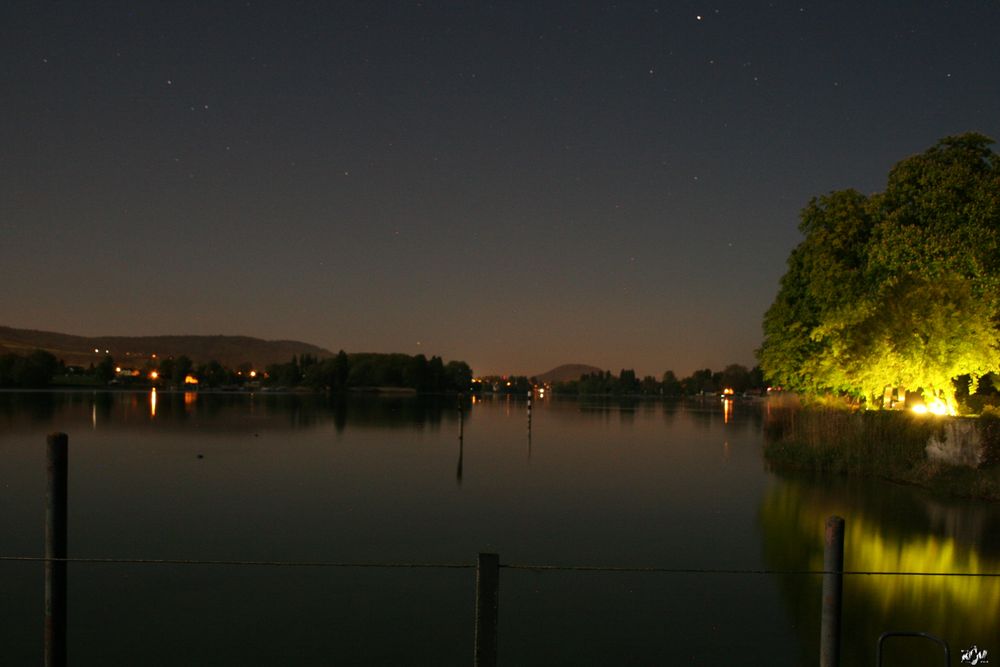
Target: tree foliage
(895,289)
(34,370)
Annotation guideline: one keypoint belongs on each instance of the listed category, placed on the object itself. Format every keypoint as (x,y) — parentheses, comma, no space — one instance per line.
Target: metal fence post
(487,609)
(55,548)
(833,585)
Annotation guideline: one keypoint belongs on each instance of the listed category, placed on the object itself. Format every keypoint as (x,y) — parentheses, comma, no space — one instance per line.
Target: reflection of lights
(190,397)
(727,411)
(794,517)
(152,403)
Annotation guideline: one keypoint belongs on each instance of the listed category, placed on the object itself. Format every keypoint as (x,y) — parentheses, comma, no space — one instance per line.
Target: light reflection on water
(889,529)
(594,482)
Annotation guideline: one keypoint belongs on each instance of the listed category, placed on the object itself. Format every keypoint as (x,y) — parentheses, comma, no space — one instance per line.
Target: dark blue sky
(515,184)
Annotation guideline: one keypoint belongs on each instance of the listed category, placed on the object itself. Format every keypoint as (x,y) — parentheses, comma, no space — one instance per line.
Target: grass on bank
(886,444)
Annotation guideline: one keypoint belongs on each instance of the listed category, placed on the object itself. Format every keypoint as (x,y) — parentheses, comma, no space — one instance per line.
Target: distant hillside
(230,351)
(567,372)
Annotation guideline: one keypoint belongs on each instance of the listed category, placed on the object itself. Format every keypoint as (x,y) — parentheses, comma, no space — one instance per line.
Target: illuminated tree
(899,289)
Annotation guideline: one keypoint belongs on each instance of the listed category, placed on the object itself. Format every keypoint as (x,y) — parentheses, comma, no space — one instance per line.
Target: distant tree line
(344,371)
(704,381)
(347,371)
(34,370)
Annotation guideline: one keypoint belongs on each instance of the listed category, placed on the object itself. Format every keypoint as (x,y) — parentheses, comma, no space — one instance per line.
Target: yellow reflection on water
(867,549)
(793,515)
(727,410)
(152,403)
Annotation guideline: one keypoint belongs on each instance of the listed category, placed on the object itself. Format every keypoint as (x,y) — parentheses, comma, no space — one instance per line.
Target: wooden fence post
(487,609)
(833,586)
(55,548)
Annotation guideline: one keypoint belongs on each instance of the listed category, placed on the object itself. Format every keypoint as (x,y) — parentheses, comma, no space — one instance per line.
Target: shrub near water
(841,441)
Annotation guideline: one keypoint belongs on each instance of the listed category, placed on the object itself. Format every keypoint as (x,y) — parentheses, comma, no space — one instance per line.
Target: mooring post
(833,586)
(487,609)
(55,548)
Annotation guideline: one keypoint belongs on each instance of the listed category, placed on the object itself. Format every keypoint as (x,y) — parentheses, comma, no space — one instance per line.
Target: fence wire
(532,567)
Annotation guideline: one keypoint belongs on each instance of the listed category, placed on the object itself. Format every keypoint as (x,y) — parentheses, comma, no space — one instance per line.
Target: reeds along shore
(887,444)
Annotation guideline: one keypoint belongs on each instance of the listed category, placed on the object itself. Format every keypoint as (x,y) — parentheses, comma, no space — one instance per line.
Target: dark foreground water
(293,478)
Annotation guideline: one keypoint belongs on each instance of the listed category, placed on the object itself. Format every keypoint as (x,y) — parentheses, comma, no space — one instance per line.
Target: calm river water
(298,478)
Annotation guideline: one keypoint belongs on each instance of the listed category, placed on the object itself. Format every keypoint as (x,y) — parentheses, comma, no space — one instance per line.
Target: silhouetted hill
(230,351)
(567,372)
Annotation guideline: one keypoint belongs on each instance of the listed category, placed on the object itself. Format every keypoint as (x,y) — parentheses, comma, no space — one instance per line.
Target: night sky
(515,184)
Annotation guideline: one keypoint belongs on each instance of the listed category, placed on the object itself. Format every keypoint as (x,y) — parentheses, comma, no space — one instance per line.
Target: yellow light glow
(190,379)
(118,369)
(152,403)
(253,374)
(939,407)
(935,407)
(153,375)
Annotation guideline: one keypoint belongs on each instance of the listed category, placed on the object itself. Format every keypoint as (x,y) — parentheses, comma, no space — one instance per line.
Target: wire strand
(531,567)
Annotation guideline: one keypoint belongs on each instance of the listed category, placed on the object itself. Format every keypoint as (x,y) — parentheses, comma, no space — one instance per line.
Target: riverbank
(888,445)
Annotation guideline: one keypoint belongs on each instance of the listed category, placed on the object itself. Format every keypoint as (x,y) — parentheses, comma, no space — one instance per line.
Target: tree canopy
(898,288)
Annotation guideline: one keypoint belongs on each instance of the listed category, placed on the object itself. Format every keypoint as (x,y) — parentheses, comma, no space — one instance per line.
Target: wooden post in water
(529,413)
(487,609)
(833,586)
(461,419)
(55,548)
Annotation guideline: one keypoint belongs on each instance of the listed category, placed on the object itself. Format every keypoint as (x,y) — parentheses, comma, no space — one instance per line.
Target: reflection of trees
(705,411)
(234,411)
(889,529)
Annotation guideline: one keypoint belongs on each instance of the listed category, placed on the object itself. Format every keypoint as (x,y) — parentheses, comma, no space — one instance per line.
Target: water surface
(300,478)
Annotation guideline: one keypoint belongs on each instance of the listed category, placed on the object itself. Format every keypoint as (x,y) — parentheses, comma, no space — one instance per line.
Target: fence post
(833,585)
(55,547)
(487,609)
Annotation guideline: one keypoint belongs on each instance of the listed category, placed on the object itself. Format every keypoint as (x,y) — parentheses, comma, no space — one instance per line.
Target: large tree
(897,289)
